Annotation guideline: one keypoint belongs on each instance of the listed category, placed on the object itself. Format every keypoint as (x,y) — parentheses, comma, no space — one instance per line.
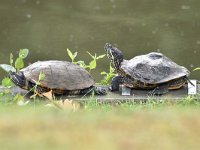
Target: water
(49,27)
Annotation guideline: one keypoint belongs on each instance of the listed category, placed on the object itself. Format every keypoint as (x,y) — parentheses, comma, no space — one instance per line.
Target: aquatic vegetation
(196,69)
(18,64)
(92,64)
(107,76)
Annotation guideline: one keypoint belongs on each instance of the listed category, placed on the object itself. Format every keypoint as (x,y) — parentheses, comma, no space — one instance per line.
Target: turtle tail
(18,79)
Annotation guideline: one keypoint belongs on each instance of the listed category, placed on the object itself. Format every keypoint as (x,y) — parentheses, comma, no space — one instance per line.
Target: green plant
(92,64)
(72,55)
(6,82)
(19,63)
(107,76)
(37,83)
(196,69)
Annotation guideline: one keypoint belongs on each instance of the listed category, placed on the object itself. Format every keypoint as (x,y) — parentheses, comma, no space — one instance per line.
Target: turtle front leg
(115,83)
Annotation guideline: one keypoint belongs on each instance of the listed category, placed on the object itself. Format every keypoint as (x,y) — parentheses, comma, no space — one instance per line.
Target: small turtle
(61,77)
(151,71)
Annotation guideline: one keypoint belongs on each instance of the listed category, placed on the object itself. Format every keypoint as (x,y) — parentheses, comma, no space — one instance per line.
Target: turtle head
(114,54)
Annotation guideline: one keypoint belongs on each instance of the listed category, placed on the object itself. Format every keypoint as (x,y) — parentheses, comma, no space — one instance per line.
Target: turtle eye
(108,45)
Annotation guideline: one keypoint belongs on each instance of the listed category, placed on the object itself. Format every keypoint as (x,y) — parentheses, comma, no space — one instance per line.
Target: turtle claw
(110,88)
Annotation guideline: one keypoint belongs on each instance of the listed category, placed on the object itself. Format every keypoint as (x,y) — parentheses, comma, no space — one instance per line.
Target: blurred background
(47,28)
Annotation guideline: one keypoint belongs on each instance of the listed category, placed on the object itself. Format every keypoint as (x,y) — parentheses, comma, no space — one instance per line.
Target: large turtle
(151,71)
(61,77)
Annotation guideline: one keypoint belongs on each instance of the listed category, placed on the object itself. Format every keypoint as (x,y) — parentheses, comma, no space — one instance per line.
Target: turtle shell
(61,75)
(153,68)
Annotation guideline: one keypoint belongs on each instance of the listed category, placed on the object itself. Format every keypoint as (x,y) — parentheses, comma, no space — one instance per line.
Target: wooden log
(136,95)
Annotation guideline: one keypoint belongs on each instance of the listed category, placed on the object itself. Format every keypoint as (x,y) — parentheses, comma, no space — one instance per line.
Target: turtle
(62,77)
(153,71)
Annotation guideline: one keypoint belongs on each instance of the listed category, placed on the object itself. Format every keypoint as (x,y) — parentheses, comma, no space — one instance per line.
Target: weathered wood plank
(136,95)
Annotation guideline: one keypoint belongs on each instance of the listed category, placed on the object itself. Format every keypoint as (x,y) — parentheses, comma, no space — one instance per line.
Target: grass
(153,125)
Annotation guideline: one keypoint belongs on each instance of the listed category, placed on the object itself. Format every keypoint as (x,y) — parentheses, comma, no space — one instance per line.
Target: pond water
(47,28)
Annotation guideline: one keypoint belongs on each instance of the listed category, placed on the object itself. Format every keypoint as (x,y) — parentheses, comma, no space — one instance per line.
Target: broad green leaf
(23,53)
(19,63)
(41,76)
(70,54)
(92,64)
(11,59)
(196,69)
(101,56)
(7,68)
(6,82)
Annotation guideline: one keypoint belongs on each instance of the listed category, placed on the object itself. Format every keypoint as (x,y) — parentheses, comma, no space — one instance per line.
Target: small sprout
(107,76)
(71,55)
(37,83)
(92,64)
(41,76)
(95,57)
